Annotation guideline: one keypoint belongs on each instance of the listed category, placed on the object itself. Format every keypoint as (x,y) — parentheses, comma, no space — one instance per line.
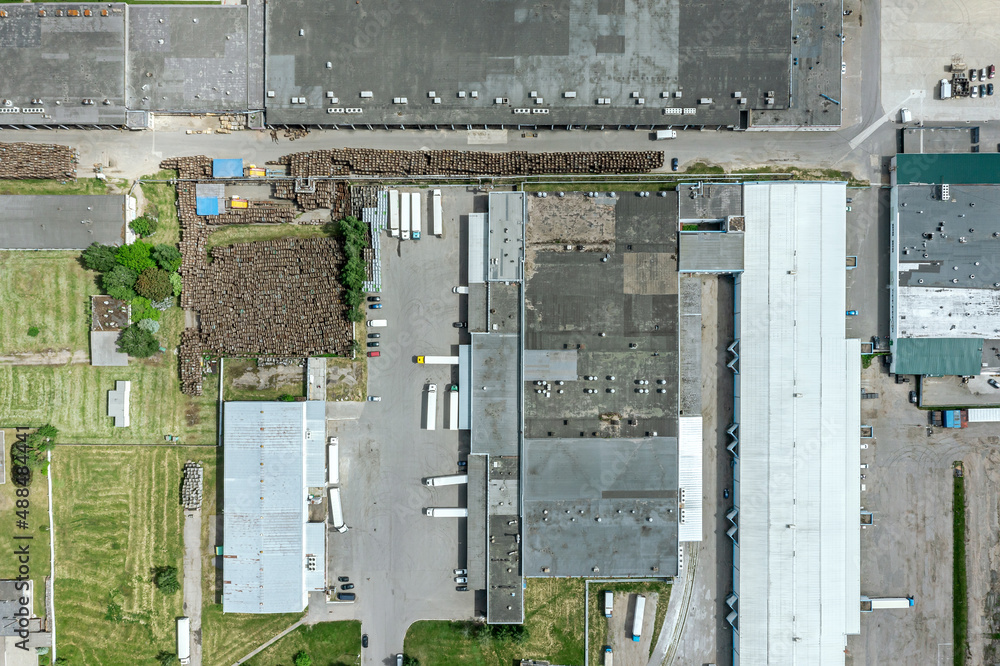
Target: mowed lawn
(117,515)
(327,643)
(74,398)
(554,618)
(47,290)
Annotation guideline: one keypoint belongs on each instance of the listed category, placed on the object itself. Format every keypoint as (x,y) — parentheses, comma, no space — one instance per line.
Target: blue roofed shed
(207,206)
(227,168)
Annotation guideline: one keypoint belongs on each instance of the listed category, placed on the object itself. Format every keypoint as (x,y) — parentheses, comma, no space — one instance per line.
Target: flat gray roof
(9,606)
(63,60)
(505,235)
(201,65)
(709,201)
(531,56)
(600,507)
(495,414)
(937,139)
(505,600)
(711,252)
(61,222)
(475,552)
(104,349)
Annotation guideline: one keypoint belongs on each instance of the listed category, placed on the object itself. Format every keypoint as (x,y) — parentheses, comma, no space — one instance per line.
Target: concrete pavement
(192,580)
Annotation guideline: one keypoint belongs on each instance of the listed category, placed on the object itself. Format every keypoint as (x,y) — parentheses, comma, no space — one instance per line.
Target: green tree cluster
(165,579)
(353,235)
(154,284)
(35,451)
(137,342)
(167,257)
(302,659)
(144,225)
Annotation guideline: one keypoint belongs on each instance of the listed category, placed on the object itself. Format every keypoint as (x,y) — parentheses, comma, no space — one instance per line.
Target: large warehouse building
(273,556)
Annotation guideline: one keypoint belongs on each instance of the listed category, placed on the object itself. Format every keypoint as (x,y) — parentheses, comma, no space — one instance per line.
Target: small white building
(118,403)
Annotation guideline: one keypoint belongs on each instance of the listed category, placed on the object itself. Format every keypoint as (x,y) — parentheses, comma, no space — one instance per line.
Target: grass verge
(49,290)
(554,620)
(117,516)
(248,233)
(327,643)
(960,591)
(226,638)
(161,204)
(599,625)
(34,186)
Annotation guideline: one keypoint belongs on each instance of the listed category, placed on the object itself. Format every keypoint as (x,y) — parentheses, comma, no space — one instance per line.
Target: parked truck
(430,416)
(404,215)
(438,360)
(453,407)
(945,89)
(640,609)
(333,464)
(609,603)
(666,134)
(337,511)
(608,656)
(868,605)
(449,480)
(377,323)
(416,215)
(394,213)
(184,640)
(437,213)
(450,512)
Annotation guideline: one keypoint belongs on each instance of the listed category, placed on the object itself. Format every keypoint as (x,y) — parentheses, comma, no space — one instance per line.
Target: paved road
(192,580)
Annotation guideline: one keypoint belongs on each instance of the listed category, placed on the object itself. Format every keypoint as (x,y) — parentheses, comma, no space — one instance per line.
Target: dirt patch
(245,380)
(572,223)
(47,357)
(345,380)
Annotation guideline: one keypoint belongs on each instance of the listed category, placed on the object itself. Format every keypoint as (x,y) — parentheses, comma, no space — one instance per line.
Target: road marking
(861,138)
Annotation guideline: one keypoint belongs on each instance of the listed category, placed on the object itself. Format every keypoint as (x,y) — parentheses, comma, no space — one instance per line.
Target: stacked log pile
(37,160)
(367,161)
(196,167)
(191,486)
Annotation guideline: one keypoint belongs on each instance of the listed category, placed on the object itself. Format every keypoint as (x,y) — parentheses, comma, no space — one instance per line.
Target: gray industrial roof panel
(505,238)
(495,413)
(315,432)
(264,507)
(531,57)
(475,554)
(315,550)
(10,597)
(937,139)
(550,364)
(63,60)
(188,58)
(61,222)
(709,201)
(104,349)
(711,252)
(600,507)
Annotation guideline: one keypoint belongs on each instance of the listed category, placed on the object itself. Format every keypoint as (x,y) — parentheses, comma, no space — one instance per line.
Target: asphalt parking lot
(401,561)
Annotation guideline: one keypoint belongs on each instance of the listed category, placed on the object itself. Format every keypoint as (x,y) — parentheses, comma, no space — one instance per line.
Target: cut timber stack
(37,160)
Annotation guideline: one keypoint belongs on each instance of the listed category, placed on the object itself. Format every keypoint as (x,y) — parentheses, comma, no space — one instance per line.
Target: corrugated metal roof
(477,248)
(206,206)
(984,415)
(939,357)
(315,431)
(711,252)
(315,579)
(951,168)
(689,476)
(227,168)
(797,524)
(264,506)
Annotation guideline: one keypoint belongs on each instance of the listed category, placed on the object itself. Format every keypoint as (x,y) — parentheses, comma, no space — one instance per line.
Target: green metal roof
(951,168)
(939,357)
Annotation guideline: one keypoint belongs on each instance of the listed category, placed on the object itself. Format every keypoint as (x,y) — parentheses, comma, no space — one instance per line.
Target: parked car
(348,586)
(982,90)
(364,640)
(992,71)
(460,572)
(461,579)
(461,588)
(374,336)
(460,324)
(373,354)
(374,398)
(399,659)
(343,579)
(725,493)
(852,313)
(993,383)
(913,397)
(843,68)
(989,88)
(374,299)
(974,76)
(673,164)
(375,306)
(462,463)
(345,596)
(373,344)
(975,91)
(982,74)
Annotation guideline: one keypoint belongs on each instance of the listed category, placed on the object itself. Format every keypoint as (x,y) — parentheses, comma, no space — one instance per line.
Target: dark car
(347,586)
(364,640)
(343,579)
(461,463)
(725,493)
(989,88)
(374,299)
(460,324)
(375,306)
(373,344)
(373,354)
(374,336)
(345,596)
(462,588)
(993,383)
(674,164)
(913,397)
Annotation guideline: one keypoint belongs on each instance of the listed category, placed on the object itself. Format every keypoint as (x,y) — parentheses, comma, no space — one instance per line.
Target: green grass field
(49,290)
(248,233)
(160,203)
(226,638)
(32,186)
(554,617)
(598,623)
(328,644)
(117,516)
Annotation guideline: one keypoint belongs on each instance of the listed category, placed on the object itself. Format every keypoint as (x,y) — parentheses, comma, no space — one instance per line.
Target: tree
(167,256)
(100,258)
(167,658)
(119,276)
(302,659)
(35,449)
(142,308)
(154,284)
(150,325)
(122,293)
(165,579)
(176,283)
(135,256)
(144,225)
(138,343)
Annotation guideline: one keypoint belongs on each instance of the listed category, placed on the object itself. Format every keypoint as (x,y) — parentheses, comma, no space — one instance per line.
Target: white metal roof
(796,567)
(984,415)
(689,472)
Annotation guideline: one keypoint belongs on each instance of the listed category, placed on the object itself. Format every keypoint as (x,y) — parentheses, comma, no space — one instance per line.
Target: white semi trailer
(640,609)
(416,216)
(394,213)
(337,511)
(437,213)
(333,462)
(453,408)
(449,512)
(450,480)
(184,640)
(404,215)
(430,416)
